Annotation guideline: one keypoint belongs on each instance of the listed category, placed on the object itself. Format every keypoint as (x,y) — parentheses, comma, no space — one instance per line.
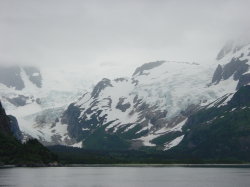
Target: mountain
(147,109)
(150,108)
(12,151)
(9,125)
(15,82)
(233,64)
(13,76)
(219,131)
(36,98)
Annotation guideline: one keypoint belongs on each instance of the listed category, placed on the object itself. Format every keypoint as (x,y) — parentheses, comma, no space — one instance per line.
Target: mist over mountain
(122,76)
(112,38)
(151,108)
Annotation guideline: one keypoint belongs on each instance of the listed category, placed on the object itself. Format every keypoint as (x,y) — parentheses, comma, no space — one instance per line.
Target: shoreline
(158,165)
(132,165)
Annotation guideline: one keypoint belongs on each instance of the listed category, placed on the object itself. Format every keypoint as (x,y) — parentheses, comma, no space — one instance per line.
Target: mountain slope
(147,109)
(220,131)
(37,98)
(150,107)
(234,64)
(13,151)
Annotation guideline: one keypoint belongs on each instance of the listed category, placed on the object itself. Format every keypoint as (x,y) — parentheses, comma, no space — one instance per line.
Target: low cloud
(114,33)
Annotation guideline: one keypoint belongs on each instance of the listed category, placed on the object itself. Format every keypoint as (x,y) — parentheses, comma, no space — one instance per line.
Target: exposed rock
(71,117)
(45,118)
(20,100)
(120,79)
(100,86)
(15,128)
(217,74)
(148,105)
(219,132)
(11,77)
(241,97)
(122,106)
(135,82)
(34,75)
(4,121)
(38,101)
(147,66)
(240,71)
(236,67)
(244,80)
(9,124)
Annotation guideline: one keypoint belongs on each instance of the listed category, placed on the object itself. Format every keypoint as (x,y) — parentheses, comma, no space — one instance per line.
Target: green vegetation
(14,152)
(219,133)
(212,135)
(29,153)
(71,155)
(100,140)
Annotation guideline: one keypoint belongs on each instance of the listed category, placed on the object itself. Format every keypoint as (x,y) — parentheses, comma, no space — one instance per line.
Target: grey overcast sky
(117,33)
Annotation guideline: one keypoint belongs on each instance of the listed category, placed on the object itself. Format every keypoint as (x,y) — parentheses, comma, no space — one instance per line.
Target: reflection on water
(126,177)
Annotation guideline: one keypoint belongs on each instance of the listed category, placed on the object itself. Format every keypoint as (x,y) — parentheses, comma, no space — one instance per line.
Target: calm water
(125,176)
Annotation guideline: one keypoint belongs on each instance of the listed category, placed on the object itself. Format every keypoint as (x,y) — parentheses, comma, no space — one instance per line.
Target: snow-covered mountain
(150,107)
(220,131)
(233,64)
(147,109)
(37,97)
(155,101)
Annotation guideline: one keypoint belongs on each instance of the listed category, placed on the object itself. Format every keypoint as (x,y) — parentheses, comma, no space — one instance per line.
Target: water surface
(125,177)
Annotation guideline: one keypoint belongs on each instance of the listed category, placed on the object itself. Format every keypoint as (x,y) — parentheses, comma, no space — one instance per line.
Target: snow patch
(173,143)
(77,145)
(146,140)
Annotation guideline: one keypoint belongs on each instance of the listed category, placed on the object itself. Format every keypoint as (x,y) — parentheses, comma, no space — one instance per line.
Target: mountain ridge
(146,110)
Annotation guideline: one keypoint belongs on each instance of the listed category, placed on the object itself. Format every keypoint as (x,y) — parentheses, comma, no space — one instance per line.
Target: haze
(113,37)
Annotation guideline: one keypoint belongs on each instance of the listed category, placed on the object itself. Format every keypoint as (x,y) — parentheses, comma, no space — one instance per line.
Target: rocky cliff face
(234,64)
(9,124)
(4,121)
(14,127)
